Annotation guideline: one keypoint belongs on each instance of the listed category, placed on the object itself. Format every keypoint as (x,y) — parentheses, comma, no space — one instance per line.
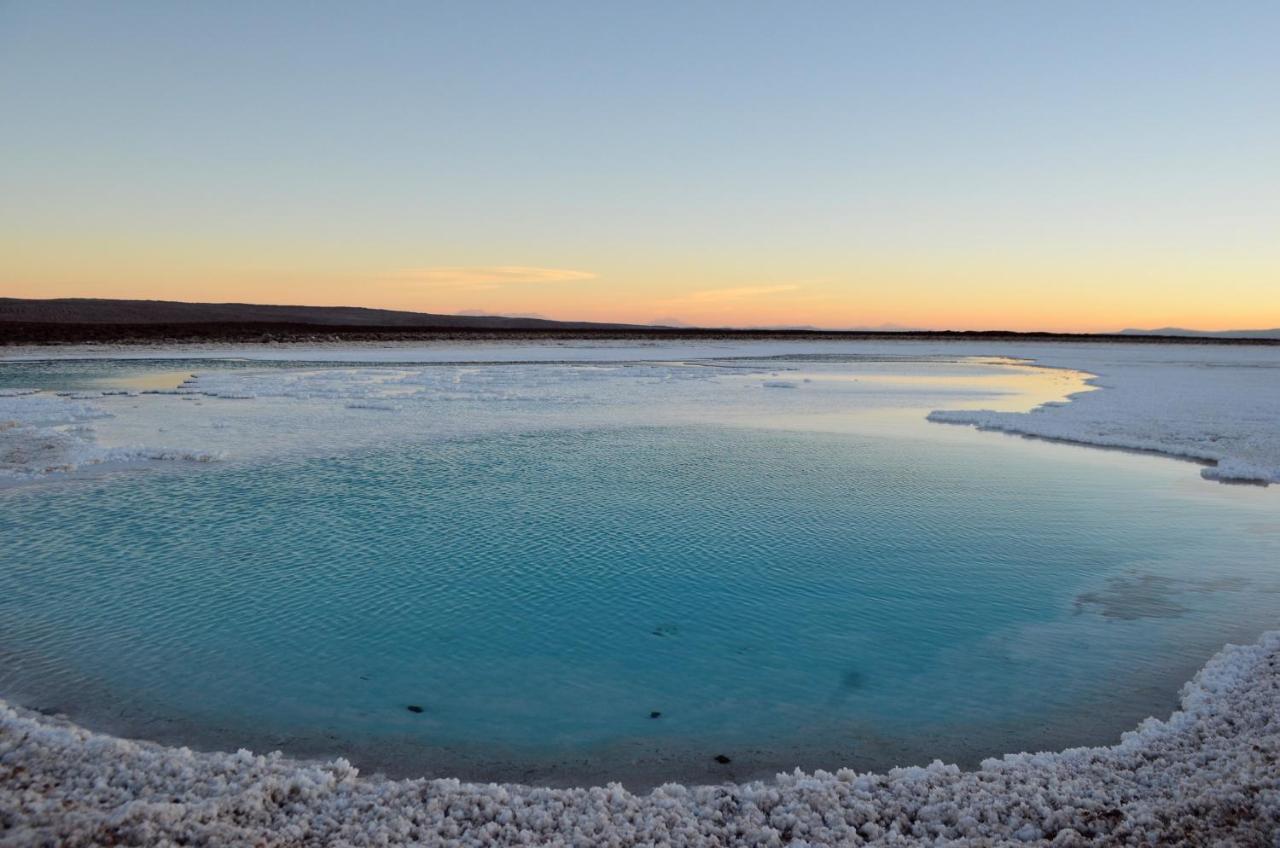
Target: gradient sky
(1025,165)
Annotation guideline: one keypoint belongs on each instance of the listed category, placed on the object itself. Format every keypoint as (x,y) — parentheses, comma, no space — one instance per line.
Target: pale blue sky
(310,151)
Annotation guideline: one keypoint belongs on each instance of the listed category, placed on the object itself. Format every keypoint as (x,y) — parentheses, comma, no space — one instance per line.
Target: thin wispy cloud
(738,293)
(488,276)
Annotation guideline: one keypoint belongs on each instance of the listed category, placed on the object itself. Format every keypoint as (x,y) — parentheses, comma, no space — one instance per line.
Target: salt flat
(1207,774)
(1214,404)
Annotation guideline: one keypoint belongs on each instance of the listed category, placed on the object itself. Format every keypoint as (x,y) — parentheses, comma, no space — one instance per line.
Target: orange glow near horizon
(963,296)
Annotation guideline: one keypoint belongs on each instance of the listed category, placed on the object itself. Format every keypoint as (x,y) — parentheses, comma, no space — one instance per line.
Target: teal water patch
(96,374)
(631,602)
(62,375)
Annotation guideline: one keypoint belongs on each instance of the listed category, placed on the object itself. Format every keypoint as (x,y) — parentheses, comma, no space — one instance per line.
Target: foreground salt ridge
(1210,774)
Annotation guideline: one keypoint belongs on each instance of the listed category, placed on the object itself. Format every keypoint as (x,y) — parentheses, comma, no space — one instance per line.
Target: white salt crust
(1209,775)
(42,433)
(1225,413)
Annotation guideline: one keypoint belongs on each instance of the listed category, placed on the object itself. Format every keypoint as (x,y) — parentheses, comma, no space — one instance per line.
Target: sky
(1060,166)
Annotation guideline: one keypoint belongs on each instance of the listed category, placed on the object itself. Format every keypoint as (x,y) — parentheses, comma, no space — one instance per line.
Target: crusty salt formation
(1209,775)
(1219,409)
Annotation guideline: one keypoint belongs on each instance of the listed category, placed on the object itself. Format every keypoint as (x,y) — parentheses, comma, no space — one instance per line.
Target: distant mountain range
(1210,334)
(84,310)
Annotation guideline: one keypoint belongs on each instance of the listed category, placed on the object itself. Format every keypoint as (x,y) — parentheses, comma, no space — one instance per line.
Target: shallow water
(803,575)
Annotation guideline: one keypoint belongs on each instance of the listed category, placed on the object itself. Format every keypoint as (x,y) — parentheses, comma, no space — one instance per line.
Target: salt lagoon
(775,548)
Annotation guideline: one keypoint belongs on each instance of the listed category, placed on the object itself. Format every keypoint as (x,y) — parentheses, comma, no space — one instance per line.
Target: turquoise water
(782,597)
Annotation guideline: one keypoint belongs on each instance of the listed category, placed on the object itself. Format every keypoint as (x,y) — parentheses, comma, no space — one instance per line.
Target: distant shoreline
(65,333)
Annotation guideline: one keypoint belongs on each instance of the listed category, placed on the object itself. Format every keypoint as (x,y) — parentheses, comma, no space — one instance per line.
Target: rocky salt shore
(1209,775)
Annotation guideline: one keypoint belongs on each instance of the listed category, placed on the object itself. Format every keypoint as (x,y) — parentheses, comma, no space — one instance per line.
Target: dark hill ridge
(84,310)
(104,321)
